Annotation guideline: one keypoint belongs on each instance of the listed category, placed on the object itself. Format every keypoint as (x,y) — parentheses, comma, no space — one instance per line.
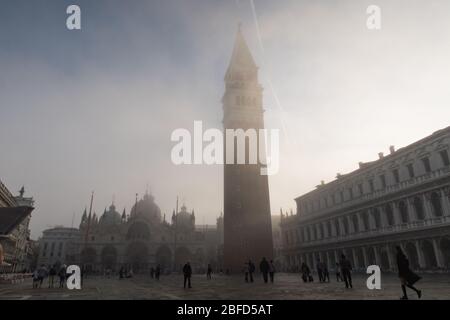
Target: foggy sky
(94,109)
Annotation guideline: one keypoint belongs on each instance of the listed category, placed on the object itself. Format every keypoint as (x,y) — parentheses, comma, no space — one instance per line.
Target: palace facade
(16,248)
(401,199)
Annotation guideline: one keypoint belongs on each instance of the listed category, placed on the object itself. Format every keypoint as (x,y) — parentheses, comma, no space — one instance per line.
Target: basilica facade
(144,239)
(401,199)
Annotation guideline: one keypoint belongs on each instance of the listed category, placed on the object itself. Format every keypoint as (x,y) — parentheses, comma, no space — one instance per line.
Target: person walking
(246,271)
(338,272)
(152,272)
(157,272)
(271,270)
(407,277)
(187,272)
(62,276)
(35,279)
(209,272)
(326,273)
(319,270)
(346,269)
(305,272)
(51,276)
(42,273)
(264,268)
(251,269)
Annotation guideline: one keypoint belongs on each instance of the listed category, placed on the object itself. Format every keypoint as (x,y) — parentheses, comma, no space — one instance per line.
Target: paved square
(286,287)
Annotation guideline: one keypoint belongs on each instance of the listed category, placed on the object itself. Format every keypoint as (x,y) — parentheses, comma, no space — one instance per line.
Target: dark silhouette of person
(152,272)
(319,270)
(157,272)
(325,273)
(407,277)
(187,272)
(251,269)
(338,272)
(121,272)
(264,268)
(346,270)
(62,276)
(305,272)
(271,270)
(209,272)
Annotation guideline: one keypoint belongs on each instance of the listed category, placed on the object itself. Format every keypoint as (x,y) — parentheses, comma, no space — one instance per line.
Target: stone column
(427,206)
(336,256)
(420,256)
(350,224)
(360,222)
(377,256)
(327,255)
(411,211)
(445,201)
(341,226)
(366,260)
(438,253)
(355,259)
(319,234)
(391,258)
(383,217)
(396,213)
(371,220)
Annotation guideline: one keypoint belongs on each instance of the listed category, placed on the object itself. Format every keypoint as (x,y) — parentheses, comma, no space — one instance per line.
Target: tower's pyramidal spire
(241,57)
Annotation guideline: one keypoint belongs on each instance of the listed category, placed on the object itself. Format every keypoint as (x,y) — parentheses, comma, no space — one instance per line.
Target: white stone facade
(401,199)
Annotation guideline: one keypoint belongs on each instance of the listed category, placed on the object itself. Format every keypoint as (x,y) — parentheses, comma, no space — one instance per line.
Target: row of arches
(137,256)
(401,212)
(426,254)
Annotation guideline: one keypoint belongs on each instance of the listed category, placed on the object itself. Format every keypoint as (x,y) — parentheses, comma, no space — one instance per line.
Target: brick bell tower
(247,218)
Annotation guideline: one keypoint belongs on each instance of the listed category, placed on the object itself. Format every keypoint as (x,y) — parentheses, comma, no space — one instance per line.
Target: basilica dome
(110,217)
(147,208)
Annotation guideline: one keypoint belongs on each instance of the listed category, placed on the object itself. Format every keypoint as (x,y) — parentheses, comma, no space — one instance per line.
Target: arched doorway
(164,257)
(182,255)
(137,257)
(418,207)
(445,248)
(88,259)
(109,258)
(403,211)
(436,204)
(428,254)
(411,254)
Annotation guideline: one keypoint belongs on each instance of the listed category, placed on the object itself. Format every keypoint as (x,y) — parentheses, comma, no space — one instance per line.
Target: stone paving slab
(286,287)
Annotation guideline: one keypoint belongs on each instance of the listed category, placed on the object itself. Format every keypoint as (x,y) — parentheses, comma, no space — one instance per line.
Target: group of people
(267,269)
(344,273)
(51,272)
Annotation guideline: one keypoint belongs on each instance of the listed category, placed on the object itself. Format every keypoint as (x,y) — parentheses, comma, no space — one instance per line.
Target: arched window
(436,204)
(418,207)
(355,223)
(389,215)
(376,218)
(403,212)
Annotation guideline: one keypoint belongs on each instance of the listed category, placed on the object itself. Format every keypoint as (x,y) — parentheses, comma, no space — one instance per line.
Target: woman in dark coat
(407,277)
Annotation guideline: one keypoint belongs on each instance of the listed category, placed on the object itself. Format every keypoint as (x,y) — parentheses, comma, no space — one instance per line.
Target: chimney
(380,155)
(322,182)
(392,149)
(361,164)
(338,175)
